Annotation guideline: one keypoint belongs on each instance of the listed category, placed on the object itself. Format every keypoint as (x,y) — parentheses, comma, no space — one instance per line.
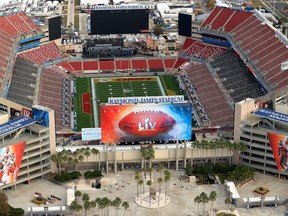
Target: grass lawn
(170,85)
(83,120)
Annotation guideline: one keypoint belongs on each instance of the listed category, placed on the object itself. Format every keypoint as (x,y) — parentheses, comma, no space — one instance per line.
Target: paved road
(182,199)
(70,15)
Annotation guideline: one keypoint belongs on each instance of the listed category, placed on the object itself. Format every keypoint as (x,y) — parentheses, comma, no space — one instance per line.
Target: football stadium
(228,80)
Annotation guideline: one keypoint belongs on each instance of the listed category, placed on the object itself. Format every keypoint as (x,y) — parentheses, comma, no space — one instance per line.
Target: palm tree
(197,200)
(160,169)
(116,203)
(167,178)
(137,178)
(150,170)
(160,181)
(144,170)
(76,206)
(77,195)
(212,199)
(87,206)
(96,152)
(98,203)
(204,199)
(149,183)
(93,205)
(228,201)
(125,205)
(81,159)
(105,203)
(85,197)
(59,158)
(87,153)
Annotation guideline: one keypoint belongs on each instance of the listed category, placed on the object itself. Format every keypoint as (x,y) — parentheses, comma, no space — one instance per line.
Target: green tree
(76,206)
(58,159)
(204,199)
(116,204)
(96,152)
(150,171)
(228,201)
(78,194)
(157,30)
(211,4)
(141,182)
(4,205)
(212,199)
(160,169)
(137,179)
(85,197)
(81,159)
(149,183)
(87,153)
(125,205)
(93,204)
(159,181)
(197,200)
(147,153)
(167,178)
(87,206)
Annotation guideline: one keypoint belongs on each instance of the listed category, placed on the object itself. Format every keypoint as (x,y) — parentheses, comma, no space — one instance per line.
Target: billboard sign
(27,112)
(146,122)
(91,134)
(15,124)
(276,116)
(151,99)
(279,146)
(10,162)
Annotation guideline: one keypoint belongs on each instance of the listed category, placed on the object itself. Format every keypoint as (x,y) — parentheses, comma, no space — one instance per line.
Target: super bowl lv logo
(146,125)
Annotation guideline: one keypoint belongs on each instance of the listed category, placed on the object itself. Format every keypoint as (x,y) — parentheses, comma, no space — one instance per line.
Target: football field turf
(105,88)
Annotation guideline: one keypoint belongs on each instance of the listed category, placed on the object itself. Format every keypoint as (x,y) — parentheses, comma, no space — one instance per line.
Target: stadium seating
(225,18)
(155,65)
(168,63)
(123,64)
(235,76)
(139,64)
(55,93)
(23,83)
(90,65)
(45,53)
(255,41)
(207,98)
(199,49)
(17,23)
(107,65)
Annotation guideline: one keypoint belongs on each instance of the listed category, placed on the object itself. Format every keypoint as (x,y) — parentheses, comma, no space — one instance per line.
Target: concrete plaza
(182,195)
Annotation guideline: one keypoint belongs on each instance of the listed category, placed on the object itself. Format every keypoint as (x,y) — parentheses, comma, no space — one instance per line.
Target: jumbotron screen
(119,21)
(185,24)
(146,122)
(54,27)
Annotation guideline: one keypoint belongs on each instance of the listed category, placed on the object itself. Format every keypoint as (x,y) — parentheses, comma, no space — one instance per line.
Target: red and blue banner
(146,122)
(279,146)
(10,162)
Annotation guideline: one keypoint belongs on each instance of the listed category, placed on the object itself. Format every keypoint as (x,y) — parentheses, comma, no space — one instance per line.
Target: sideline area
(181,193)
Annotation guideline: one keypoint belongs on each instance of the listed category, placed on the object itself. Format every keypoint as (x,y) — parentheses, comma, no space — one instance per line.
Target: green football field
(105,88)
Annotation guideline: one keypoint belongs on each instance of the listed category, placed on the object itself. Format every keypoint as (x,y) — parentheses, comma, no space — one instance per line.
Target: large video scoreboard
(119,21)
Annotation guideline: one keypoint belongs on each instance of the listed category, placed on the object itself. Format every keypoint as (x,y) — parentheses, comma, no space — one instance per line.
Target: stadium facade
(26,145)
(265,132)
